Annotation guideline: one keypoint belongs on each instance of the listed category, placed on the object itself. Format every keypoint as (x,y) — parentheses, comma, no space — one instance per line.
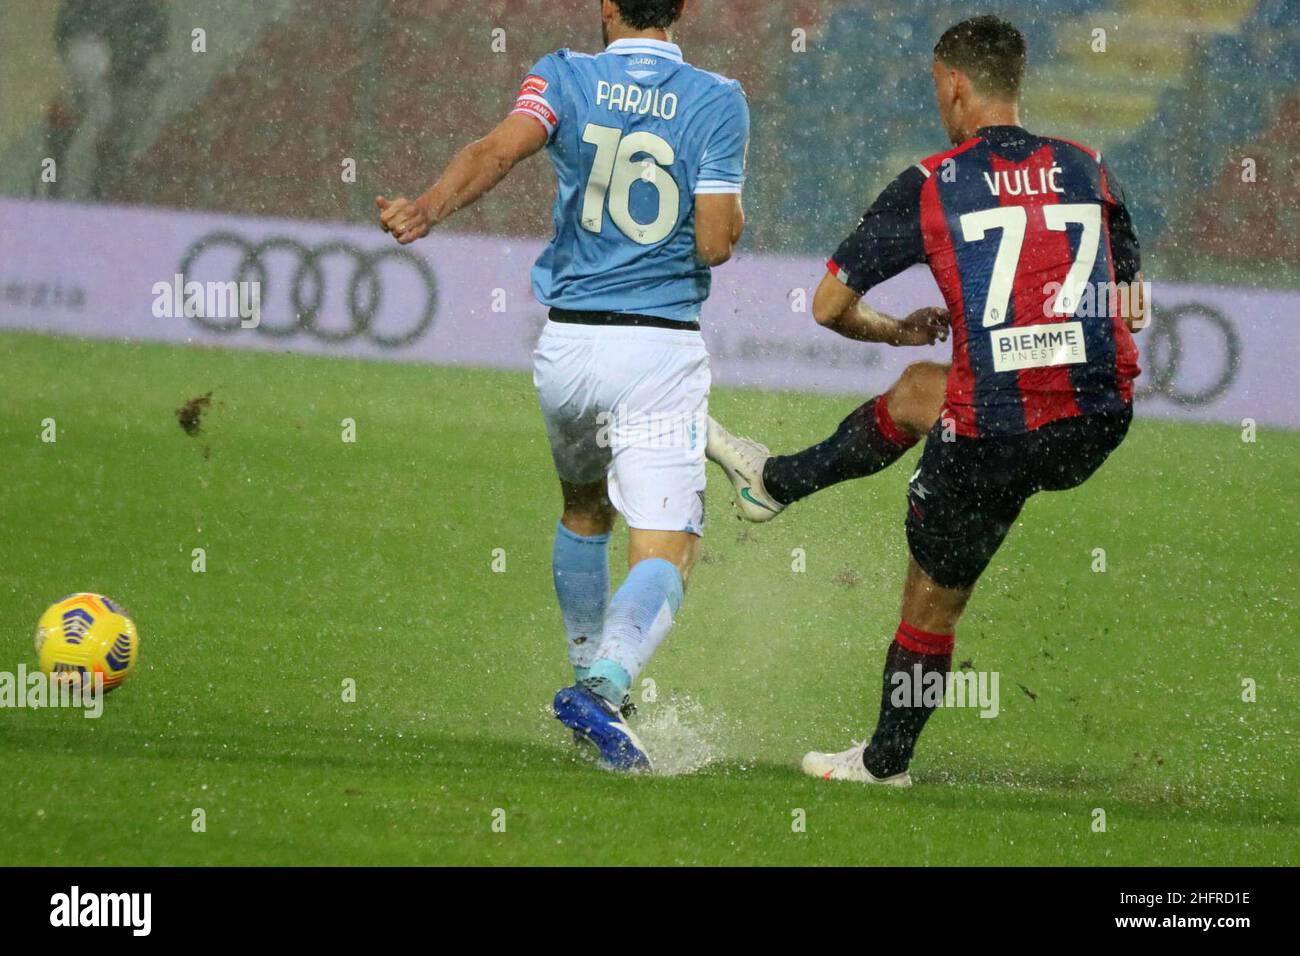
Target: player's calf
(641,613)
(580,569)
(867,441)
(870,439)
(914,655)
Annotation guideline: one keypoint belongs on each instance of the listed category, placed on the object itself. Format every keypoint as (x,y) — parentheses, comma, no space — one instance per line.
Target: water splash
(681,736)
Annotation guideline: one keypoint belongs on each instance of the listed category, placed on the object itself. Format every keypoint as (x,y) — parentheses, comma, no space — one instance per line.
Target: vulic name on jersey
(630,98)
(1022,182)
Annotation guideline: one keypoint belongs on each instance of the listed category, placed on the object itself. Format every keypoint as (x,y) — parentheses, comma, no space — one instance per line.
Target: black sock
(866,442)
(917,655)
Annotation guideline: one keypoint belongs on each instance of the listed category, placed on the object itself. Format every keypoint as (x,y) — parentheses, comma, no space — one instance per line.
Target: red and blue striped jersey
(1028,238)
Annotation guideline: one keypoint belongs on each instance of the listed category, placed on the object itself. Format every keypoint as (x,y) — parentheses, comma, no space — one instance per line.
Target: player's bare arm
(841,309)
(719,223)
(473,173)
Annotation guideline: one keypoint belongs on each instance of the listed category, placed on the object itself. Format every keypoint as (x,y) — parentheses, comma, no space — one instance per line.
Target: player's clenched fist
(923,327)
(405,219)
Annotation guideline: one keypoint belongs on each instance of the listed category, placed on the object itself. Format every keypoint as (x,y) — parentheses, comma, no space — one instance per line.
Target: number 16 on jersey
(613,174)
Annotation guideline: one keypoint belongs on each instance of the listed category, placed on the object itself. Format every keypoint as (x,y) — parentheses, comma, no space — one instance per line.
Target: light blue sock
(638,619)
(580,566)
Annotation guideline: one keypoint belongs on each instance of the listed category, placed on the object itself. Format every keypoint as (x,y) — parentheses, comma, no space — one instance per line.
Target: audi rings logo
(1189,331)
(363,300)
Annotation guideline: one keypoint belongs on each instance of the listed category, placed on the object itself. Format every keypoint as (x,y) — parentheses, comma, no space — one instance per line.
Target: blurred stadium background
(370,561)
(230,162)
(258,123)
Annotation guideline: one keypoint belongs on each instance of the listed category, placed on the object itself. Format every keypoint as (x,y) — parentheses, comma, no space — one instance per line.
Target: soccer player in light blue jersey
(649,159)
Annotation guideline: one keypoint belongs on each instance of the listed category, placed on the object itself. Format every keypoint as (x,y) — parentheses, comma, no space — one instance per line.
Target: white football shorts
(629,404)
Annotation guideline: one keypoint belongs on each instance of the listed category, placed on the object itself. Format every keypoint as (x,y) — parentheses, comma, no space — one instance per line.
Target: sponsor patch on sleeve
(534,84)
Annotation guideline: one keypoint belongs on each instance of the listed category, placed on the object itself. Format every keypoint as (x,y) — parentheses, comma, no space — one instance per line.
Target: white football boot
(847,765)
(743,461)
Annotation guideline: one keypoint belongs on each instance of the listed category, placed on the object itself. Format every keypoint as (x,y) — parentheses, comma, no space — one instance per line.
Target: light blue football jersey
(635,135)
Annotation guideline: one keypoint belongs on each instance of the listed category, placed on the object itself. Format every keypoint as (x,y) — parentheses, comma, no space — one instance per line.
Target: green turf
(373,561)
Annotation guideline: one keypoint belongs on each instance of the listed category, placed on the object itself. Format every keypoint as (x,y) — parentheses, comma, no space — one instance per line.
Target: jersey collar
(660,48)
(996,129)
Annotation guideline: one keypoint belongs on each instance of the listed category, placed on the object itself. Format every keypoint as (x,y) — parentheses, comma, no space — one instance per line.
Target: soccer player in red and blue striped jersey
(1031,244)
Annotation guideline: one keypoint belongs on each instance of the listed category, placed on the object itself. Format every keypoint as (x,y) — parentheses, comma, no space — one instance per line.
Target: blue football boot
(595,719)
